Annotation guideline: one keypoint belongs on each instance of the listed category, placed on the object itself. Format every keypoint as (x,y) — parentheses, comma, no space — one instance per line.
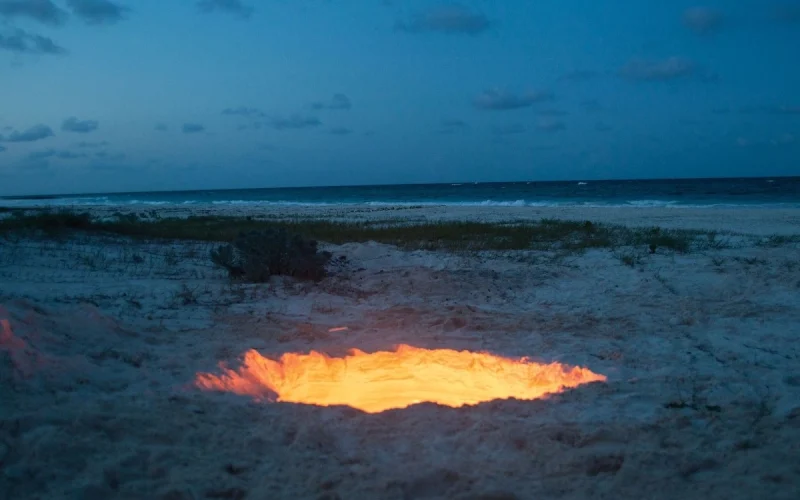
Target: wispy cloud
(106,156)
(98,11)
(52,153)
(338,101)
(549,124)
(161,127)
(2,148)
(672,68)
(192,128)
(451,19)
(552,112)
(43,11)
(340,131)
(503,100)
(452,126)
(35,133)
(244,111)
(22,42)
(295,122)
(703,20)
(230,6)
(512,129)
(72,124)
(85,144)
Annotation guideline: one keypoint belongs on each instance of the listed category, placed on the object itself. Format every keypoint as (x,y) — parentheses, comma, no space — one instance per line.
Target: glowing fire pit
(385,380)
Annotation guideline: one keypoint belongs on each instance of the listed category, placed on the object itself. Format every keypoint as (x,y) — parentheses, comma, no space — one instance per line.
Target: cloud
(502,100)
(338,101)
(672,68)
(84,144)
(43,11)
(244,111)
(552,112)
(98,11)
(41,155)
(550,125)
(453,126)
(161,127)
(295,122)
(581,75)
(451,19)
(28,43)
(110,156)
(251,126)
(192,128)
(2,148)
(341,131)
(230,6)
(72,124)
(703,20)
(35,133)
(513,129)
(52,153)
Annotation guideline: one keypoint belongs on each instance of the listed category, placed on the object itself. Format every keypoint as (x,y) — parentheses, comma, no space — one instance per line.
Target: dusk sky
(100,95)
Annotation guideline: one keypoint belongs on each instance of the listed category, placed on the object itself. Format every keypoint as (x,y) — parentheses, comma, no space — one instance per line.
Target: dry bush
(256,255)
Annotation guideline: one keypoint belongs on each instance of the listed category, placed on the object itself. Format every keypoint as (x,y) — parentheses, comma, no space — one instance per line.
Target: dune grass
(545,234)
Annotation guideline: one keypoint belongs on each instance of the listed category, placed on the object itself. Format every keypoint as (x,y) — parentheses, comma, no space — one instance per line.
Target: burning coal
(374,382)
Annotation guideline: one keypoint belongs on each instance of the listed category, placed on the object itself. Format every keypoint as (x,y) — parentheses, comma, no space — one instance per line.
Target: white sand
(701,353)
(759,221)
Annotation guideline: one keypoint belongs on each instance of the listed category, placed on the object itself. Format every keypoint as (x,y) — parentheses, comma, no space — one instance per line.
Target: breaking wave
(113,201)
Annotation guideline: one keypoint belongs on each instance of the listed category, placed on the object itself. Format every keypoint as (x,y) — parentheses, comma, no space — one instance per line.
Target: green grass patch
(546,234)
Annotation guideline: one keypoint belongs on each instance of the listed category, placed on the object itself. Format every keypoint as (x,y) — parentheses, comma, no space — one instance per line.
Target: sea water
(751,192)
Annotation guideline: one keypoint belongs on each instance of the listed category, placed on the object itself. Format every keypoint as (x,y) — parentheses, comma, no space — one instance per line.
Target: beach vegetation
(544,234)
(255,256)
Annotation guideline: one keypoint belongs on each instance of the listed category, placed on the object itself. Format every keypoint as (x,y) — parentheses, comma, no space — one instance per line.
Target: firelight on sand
(375,382)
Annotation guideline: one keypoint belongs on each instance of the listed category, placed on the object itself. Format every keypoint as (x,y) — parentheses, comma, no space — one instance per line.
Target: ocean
(778,192)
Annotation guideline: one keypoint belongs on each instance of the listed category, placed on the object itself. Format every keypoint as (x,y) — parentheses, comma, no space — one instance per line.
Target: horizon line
(453,183)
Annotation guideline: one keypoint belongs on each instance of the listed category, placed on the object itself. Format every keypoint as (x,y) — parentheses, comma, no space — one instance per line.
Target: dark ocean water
(753,192)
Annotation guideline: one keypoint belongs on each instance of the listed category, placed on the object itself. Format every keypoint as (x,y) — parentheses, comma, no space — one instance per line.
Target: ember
(394,379)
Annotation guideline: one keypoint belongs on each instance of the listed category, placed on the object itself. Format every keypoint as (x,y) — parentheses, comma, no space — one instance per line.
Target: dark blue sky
(102,95)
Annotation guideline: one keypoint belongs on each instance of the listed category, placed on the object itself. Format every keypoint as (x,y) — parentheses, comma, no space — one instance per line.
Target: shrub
(51,221)
(256,255)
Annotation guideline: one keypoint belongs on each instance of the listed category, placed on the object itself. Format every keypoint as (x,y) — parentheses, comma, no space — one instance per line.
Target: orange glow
(384,380)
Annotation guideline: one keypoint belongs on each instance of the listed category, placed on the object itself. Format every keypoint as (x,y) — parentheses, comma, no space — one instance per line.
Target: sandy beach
(756,221)
(103,338)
